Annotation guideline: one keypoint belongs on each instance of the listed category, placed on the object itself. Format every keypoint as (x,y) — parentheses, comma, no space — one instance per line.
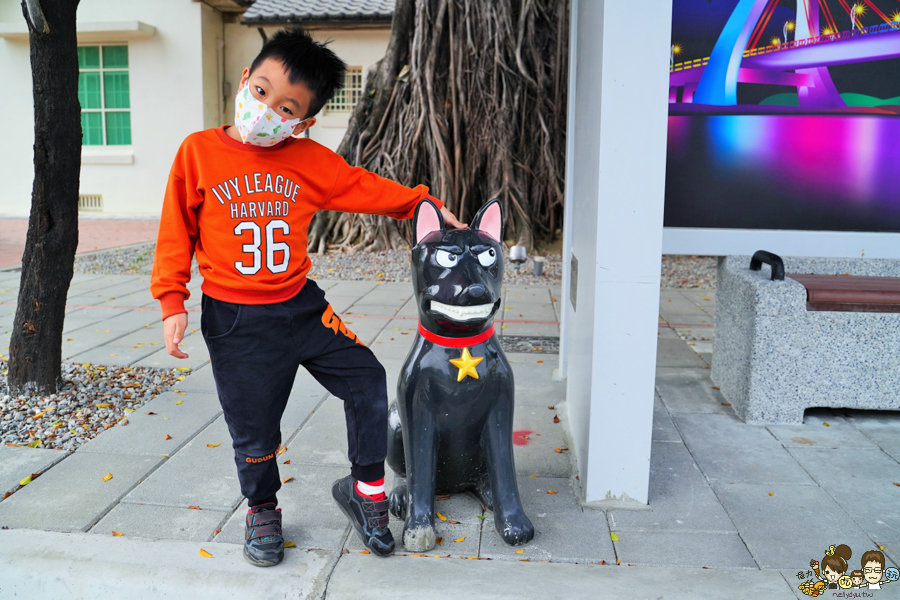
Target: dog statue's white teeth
(462,313)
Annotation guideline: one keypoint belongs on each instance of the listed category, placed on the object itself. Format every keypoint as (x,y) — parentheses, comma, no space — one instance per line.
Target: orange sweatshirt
(245,211)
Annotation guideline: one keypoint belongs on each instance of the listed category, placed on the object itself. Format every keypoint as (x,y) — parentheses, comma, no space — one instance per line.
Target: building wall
(358,48)
(167,91)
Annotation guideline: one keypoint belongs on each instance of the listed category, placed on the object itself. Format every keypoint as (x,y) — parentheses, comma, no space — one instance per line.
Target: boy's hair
(872,556)
(306,61)
(856,573)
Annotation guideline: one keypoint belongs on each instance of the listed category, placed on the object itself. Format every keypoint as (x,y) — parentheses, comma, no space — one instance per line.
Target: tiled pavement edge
(711,475)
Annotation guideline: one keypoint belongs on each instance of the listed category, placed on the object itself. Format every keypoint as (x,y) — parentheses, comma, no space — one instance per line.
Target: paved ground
(93,234)
(735,508)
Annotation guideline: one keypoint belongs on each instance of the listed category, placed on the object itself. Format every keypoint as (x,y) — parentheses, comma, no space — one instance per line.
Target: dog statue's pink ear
(428,219)
(490,220)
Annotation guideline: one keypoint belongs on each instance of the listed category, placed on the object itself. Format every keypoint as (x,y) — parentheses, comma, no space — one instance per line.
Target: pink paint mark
(520,438)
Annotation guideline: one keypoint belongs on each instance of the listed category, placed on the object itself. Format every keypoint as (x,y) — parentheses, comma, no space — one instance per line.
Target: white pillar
(615,185)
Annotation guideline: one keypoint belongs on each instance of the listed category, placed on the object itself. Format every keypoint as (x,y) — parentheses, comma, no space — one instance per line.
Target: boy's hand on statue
(173,332)
(450,219)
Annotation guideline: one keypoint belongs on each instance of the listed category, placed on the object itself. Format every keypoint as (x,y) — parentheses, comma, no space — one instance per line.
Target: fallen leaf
(117,533)
(613,536)
(205,554)
(214,445)
(826,424)
(287,462)
(168,437)
(179,402)
(128,409)
(726,404)
(715,387)
(771,493)
(552,492)
(164,455)
(618,562)
(38,416)
(602,562)
(460,539)
(560,450)
(286,479)
(482,517)
(104,405)
(880,547)
(25,481)
(217,532)
(345,551)
(540,361)
(150,413)
(439,541)
(194,507)
(283,450)
(534,475)
(556,418)
(364,552)
(182,369)
(124,421)
(107,477)
(35,444)
(441,517)
(7,495)
(552,407)
(452,522)
(179,392)
(897,484)
(290,545)
(519,551)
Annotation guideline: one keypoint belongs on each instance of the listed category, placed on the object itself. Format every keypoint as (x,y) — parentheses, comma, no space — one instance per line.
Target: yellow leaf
(519,551)
(618,562)
(290,545)
(114,354)
(205,554)
(771,493)
(117,533)
(826,424)
(439,541)
(181,378)
(179,402)
(462,539)
(165,455)
(128,410)
(441,517)
(214,445)
(107,477)
(613,536)
(507,307)
(552,492)
(182,369)
(103,405)
(880,547)
(283,450)
(180,393)
(25,481)
(38,416)
(286,479)
(534,475)
(35,443)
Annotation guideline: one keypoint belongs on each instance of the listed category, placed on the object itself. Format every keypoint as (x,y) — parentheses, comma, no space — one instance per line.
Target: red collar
(462,342)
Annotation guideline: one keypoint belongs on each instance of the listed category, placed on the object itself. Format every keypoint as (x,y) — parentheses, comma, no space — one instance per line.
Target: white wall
(614,214)
(167,104)
(358,48)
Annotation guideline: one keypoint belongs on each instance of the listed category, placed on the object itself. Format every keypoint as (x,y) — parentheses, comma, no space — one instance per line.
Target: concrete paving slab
(84,318)
(366,329)
(821,428)
(113,355)
(663,427)
(69,566)
(391,293)
(127,321)
(689,391)
(150,336)
(526,294)
(196,475)
(301,407)
(323,440)
(752,465)
(676,353)
(530,329)
(311,518)
(535,436)
(564,532)
(200,380)
(693,320)
(793,525)
(146,434)
(464,508)
(364,308)
(351,288)
(724,430)
(683,549)
(881,427)
(72,495)
(496,580)
(161,522)
(845,472)
(447,533)
(674,302)
(667,333)
(681,499)
(18,463)
(533,376)
(696,334)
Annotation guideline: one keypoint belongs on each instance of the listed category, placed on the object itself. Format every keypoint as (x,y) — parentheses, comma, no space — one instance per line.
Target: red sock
(372,489)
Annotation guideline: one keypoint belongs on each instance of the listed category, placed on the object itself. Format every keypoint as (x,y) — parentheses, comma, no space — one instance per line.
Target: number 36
(271,247)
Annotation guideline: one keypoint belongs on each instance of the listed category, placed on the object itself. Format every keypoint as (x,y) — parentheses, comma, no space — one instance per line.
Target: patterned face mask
(258,124)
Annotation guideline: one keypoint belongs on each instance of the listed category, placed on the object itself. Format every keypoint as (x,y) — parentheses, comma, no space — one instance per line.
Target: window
(104,96)
(346,99)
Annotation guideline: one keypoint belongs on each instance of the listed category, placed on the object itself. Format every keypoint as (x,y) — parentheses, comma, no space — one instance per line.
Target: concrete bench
(780,348)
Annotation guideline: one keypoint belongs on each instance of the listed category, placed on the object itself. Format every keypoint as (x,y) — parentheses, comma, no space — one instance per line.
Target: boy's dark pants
(255,351)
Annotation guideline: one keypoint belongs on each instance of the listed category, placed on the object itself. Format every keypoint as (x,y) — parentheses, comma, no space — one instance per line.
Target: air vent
(90,202)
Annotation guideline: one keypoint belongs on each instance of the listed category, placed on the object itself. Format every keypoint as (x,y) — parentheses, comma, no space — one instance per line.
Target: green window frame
(347,97)
(104,94)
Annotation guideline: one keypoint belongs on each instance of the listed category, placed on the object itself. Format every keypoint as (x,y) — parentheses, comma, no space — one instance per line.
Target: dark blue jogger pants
(255,351)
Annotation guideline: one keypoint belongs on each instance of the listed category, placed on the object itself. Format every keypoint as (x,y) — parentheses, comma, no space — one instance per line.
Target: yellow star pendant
(466,365)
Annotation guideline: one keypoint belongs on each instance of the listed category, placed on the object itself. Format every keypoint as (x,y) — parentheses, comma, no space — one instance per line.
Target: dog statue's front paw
(398,500)
(515,529)
(418,533)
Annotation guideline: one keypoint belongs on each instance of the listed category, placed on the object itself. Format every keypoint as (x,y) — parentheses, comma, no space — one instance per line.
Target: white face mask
(258,124)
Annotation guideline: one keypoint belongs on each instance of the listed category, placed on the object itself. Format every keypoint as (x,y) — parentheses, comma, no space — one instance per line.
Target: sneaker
(263,543)
(369,517)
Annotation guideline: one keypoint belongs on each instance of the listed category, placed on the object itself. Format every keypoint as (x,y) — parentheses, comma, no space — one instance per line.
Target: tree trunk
(36,344)
(470,99)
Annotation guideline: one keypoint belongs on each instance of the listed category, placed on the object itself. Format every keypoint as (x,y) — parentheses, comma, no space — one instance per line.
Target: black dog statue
(450,429)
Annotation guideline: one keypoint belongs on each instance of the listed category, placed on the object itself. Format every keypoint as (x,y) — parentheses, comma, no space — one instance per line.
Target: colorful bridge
(713,80)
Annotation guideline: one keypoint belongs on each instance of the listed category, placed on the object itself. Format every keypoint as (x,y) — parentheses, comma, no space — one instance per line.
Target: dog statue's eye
(446,259)
(488,257)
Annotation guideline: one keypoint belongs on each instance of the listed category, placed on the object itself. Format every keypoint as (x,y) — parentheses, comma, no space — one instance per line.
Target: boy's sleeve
(357,190)
(175,244)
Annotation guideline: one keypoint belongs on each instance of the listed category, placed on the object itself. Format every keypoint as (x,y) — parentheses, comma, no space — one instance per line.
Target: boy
(242,198)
